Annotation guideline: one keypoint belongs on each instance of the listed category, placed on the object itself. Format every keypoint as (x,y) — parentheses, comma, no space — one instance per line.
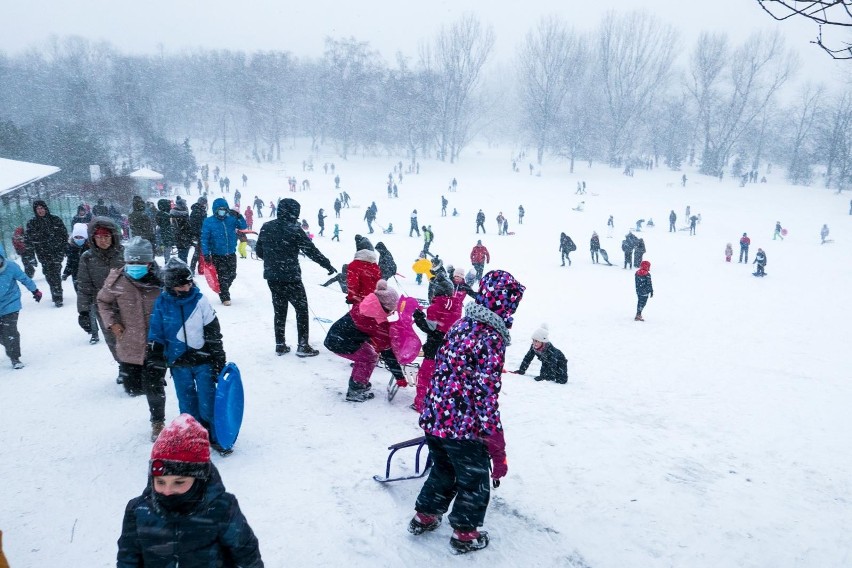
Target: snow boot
(16,364)
(282,349)
(220,450)
(468,541)
(156,428)
(94,339)
(305,350)
(358,392)
(638,318)
(422,523)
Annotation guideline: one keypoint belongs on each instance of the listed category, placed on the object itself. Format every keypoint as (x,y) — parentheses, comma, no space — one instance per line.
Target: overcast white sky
(389,25)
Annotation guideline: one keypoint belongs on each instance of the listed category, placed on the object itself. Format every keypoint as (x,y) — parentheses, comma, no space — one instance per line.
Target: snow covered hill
(713,434)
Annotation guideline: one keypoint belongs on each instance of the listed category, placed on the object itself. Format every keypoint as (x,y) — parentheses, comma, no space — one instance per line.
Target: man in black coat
(47,237)
(196,218)
(554,365)
(278,245)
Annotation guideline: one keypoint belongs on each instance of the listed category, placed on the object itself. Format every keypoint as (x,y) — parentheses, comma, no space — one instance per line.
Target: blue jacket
(10,294)
(219,236)
(215,533)
(185,331)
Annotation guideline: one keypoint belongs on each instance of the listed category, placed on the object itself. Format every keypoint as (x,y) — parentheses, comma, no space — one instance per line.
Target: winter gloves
(37,295)
(155,357)
(331,270)
(496,445)
(84,321)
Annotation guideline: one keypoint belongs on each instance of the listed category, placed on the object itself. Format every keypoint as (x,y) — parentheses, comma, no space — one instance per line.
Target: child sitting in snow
(554,366)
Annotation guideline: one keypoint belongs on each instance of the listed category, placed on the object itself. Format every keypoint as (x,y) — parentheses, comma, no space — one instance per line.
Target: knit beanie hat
(363,243)
(182,448)
(388,297)
(541,334)
(176,273)
(458,273)
(138,249)
(80,230)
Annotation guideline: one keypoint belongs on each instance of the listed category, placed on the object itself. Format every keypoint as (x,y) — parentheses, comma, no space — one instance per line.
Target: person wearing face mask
(125,304)
(219,244)
(184,336)
(184,517)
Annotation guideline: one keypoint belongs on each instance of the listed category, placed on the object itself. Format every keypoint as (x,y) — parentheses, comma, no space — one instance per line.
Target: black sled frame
(394,448)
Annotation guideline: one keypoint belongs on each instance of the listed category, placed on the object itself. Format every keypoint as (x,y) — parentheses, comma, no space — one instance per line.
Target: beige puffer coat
(130,303)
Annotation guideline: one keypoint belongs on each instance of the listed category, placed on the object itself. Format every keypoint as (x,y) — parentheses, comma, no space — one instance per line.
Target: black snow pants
(284,293)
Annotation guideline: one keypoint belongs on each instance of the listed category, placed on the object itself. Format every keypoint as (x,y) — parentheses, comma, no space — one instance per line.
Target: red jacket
(745,241)
(479,254)
(362,275)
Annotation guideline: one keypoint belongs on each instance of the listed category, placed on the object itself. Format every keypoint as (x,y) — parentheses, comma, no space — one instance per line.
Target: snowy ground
(714,434)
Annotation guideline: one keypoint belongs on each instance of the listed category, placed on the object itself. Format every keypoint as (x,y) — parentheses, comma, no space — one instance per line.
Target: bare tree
(833,13)
(635,55)
(731,96)
(835,143)
(803,118)
(455,60)
(551,59)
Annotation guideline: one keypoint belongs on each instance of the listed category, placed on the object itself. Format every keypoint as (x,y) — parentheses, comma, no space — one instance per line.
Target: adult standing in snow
(566,246)
(139,221)
(461,417)
(554,365)
(386,262)
(672,220)
(47,237)
(184,516)
(744,244)
(219,244)
(197,215)
(258,205)
(165,238)
(337,206)
(595,247)
(414,228)
(479,256)
(500,220)
(321,217)
(10,306)
(125,303)
(181,229)
(279,243)
(520,214)
(369,217)
(638,252)
(444,204)
(104,254)
(760,260)
(480,222)
(627,249)
(692,222)
(363,272)
(644,288)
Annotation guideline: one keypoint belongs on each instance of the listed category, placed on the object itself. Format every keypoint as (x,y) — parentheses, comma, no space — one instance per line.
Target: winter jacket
(386,263)
(81,217)
(197,215)
(480,218)
(46,236)
(644,287)
(595,243)
(10,293)
(479,255)
(73,252)
(745,242)
(461,402)
(100,210)
(280,242)
(180,225)
(139,221)
(96,263)
(130,303)
(760,258)
(363,274)
(164,223)
(188,329)
(554,365)
(215,533)
(219,236)
(566,245)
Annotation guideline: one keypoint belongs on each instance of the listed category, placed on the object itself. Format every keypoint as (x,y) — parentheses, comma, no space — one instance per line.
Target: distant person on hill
(520,214)
(480,222)
(672,220)
(692,221)
(638,252)
(823,233)
(627,249)
(744,244)
(566,247)
(729,252)
(760,260)
(594,247)
(479,256)
(778,231)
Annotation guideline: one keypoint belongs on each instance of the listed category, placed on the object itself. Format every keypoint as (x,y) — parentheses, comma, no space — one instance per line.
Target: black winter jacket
(554,365)
(164,207)
(386,262)
(46,236)
(140,222)
(196,219)
(215,533)
(280,242)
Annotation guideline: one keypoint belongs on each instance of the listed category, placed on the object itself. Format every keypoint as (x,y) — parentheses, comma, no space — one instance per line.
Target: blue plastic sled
(228,406)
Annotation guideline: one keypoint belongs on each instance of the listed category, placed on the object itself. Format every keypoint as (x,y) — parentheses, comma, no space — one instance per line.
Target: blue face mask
(79,241)
(136,271)
(221,213)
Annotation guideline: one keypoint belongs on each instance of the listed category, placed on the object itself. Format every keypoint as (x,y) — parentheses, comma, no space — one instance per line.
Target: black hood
(43,203)
(289,209)
(138,203)
(164,205)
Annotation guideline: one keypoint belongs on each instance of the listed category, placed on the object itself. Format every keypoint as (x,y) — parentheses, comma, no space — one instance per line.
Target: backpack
(571,246)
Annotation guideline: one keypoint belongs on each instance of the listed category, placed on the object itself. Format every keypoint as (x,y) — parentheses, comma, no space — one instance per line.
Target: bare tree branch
(825,13)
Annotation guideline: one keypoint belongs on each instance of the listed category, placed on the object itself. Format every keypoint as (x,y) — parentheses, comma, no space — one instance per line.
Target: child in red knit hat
(185,517)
